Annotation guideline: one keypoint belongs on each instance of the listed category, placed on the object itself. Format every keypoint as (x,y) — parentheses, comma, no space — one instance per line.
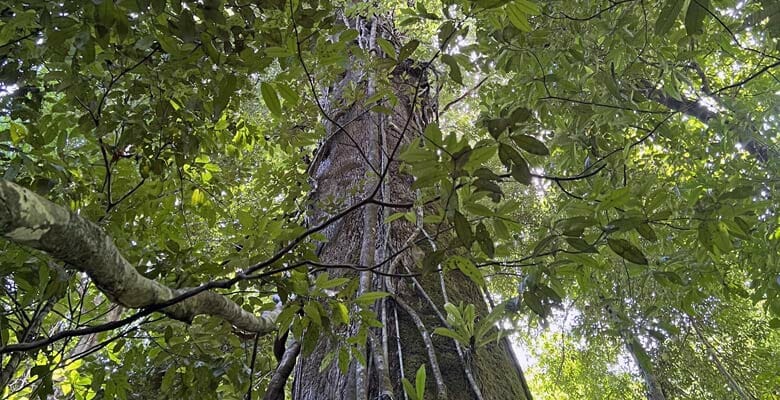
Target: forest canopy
(489,199)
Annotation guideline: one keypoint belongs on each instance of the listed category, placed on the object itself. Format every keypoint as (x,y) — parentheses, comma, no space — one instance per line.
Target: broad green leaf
(446,30)
(198,197)
(369,298)
(518,17)
(343,360)
(419,382)
(647,232)
(509,156)
(342,313)
(465,266)
(694,17)
(490,321)
(18,132)
(484,240)
(528,7)
(463,229)
(348,35)
(534,303)
(271,99)
(452,335)
(433,133)
(409,389)
(740,192)
(520,115)
(327,360)
(520,172)
(531,145)
(628,251)
(496,126)
(580,245)
(290,96)
(408,49)
(387,47)
(312,311)
(455,74)
(668,16)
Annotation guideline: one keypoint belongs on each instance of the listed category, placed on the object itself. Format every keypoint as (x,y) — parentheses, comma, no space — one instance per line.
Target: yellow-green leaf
(271,99)
(518,18)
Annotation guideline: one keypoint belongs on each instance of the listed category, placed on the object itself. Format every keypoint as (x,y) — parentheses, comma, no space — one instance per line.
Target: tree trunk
(733,384)
(642,361)
(347,169)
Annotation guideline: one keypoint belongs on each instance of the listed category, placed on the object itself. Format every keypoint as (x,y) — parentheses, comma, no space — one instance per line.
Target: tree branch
(275,390)
(35,222)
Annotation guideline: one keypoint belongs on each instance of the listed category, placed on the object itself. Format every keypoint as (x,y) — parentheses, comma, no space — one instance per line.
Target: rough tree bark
(348,168)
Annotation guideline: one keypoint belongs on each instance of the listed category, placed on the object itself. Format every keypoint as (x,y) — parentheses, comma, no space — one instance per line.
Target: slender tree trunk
(652,385)
(733,384)
(345,172)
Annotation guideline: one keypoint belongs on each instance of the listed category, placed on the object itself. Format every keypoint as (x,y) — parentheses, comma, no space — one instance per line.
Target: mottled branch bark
(695,109)
(275,389)
(32,221)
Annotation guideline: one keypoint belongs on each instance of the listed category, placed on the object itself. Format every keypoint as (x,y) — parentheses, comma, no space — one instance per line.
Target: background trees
(613,159)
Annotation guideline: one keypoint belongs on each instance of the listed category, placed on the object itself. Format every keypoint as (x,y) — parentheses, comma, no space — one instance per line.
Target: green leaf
(348,35)
(463,229)
(668,16)
(18,132)
(625,249)
(446,30)
(647,232)
(542,245)
(534,303)
(408,49)
(465,266)
(452,335)
(327,360)
(369,298)
(520,115)
(508,155)
(419,382)
(496,126)
(386,47)
(642,357)
(518,18)
(344,360)
(580,245)
(531,145)
(694,17)
(331,283)
(520,172)
(313,312)
(409,389)
(433,133)
(528,7)
(455,74)
(431,261)
(484,240)
(342,313)
(290,96)
(271,99)
(740,192)
(490,321)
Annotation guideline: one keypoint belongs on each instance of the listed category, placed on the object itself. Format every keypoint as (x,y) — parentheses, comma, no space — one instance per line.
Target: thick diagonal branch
(696,109)
(35,222)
